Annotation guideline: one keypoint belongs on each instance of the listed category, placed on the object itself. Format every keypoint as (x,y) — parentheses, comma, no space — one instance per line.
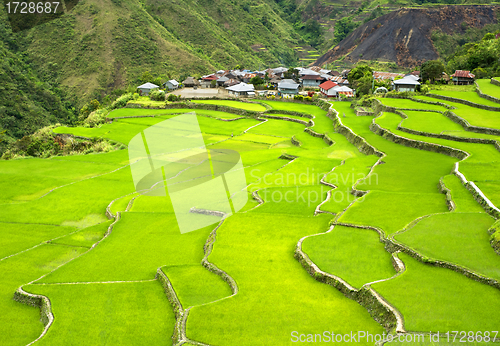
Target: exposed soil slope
(404,36)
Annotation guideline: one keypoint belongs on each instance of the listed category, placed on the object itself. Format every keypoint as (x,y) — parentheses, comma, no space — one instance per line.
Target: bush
(122,100)
(298,97)
(308,99)
(157,95)
(173,98)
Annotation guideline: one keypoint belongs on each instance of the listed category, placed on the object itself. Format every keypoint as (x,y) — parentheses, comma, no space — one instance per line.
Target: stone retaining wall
(465,102)
(299,114)
(42,302)
(365,296)
(303,122)
(486,96)
(412,143)
(494,231)
(176,305)
(358,141)
(295,141)
(447,193)
(392,246)
(319,135)
(494,81)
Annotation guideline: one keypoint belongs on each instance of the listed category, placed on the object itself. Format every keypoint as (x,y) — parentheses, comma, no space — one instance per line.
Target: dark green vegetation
(312,192)
(27,100)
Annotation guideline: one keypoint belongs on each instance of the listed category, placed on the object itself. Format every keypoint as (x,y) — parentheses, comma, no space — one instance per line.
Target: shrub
(308,99)
(298,97)
(157,95)
(122,100)
(173,98)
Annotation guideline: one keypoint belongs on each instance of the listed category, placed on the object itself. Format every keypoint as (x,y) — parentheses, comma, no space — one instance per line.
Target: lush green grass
(108,314)
(409,104)
(235,104)
(322,123)
(471,96)
(356,255)
(436,299)
(254,247)
(132,112)
(21,323)
(280,128)
(257,251)
(195,285)
(475,116)
(487,88)
(460,238)
(430,122)
(464,201)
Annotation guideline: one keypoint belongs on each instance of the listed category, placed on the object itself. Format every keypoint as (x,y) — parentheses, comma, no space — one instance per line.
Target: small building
(221,81)
(287,88)
(275,81)
(190,82)
(406,84)
(206,81)
(343,90)
(231,82)
(242,89)
(171,84)
(146,88)
(311,81)
(328,88)
(462,77)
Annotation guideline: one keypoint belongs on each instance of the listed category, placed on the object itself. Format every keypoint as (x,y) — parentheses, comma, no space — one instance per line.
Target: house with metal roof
(286,87)
(222,80)
(146,88)
(406,84)
(206,81)
(461,77)
(242,89)
(311,81)
(171,84)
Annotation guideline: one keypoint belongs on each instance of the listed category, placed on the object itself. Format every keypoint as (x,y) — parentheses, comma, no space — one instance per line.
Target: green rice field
(222,229)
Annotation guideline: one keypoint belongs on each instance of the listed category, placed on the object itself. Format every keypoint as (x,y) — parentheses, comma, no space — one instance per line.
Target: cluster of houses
(330,83)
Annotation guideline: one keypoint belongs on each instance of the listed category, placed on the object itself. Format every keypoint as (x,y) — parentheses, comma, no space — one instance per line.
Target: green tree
(256,80)
(361,79)
(147,77)
(432,70)
(342,28)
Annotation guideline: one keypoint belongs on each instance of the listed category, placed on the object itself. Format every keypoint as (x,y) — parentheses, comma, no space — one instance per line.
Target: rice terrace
(356,226)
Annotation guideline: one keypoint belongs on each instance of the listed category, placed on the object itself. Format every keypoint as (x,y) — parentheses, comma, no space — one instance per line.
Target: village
(285,83)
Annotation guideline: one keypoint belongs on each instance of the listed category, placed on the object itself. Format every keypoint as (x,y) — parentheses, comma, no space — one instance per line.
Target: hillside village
(282,82)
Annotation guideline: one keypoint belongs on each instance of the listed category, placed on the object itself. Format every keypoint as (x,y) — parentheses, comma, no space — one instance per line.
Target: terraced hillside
(353,223)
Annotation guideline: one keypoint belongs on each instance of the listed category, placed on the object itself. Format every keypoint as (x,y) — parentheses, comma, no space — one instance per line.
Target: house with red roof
(461,77)
(327,88)
(206,81)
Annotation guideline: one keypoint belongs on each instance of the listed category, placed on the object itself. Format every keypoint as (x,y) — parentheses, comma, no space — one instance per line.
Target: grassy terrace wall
(412,143)
(495,81)
(358,141)
(366,297)
(486,96)
(494,231)
(465,102)
(478,195)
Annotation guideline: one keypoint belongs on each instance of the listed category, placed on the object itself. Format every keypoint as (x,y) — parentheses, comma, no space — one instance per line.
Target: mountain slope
(107,44)
(26,101)
(404,36)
